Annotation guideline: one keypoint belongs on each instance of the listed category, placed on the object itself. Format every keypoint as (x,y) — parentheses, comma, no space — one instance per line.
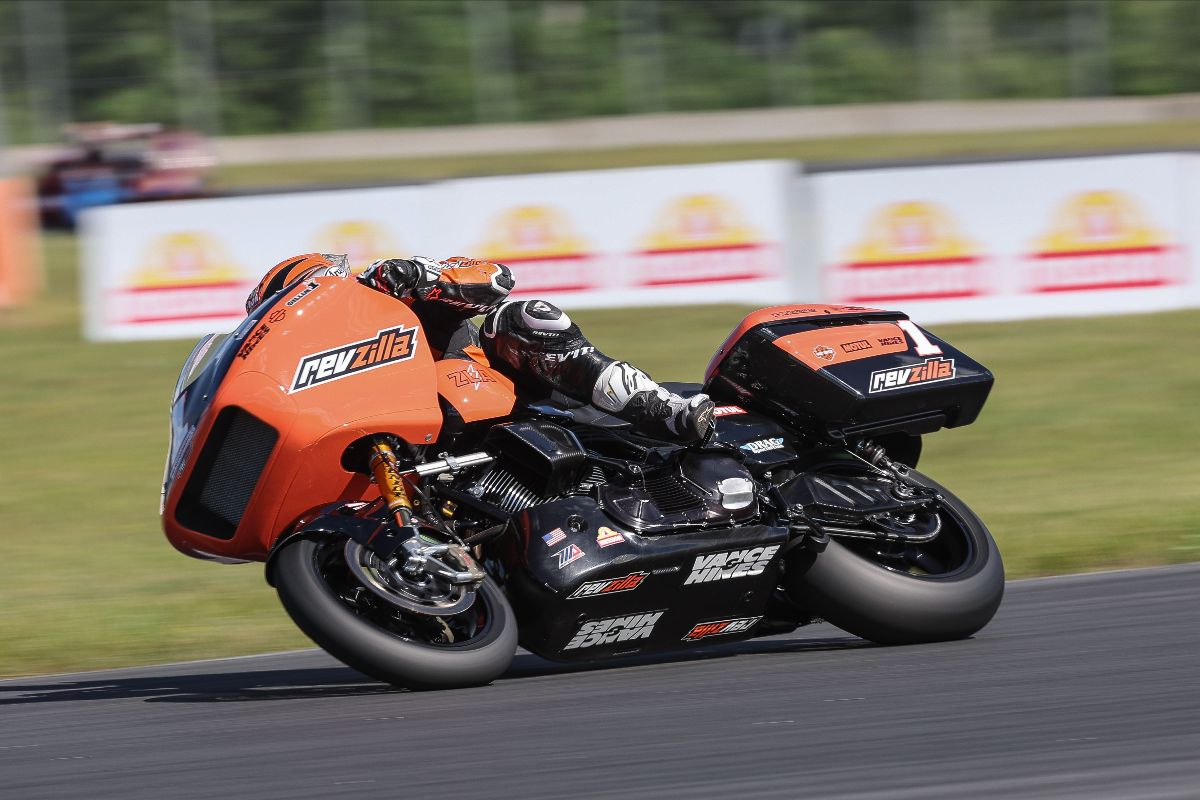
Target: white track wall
(1063,237)
(1038,238)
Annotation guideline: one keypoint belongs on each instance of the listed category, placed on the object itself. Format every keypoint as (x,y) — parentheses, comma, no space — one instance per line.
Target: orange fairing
(780,314)
(476,392)
(327,363)
(826,347)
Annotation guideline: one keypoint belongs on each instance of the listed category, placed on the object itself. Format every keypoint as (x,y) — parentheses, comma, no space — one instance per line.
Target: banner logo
(362,241)
(909,251)
(1101,241)
(187,276)
(543,240)
(703,238)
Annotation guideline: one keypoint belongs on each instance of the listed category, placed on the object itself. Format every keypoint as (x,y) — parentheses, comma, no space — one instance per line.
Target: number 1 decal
(924,346)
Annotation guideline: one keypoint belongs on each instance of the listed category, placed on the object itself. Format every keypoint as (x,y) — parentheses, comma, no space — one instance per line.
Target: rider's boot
(630,394)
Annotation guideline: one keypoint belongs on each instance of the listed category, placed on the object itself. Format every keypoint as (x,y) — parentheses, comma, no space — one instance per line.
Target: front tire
(415,651)
(884,598)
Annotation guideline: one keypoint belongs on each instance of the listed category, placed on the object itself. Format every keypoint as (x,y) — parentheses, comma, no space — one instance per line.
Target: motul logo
(386,347)
(932,371)
(610,585)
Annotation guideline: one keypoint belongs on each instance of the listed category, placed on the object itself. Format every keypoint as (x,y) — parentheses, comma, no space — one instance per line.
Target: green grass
(1084,458)
(1174,134)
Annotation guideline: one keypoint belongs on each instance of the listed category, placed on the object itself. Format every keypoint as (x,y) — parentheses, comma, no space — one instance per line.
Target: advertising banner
(708,233)
(182,269)
(1008,240)
(665,235)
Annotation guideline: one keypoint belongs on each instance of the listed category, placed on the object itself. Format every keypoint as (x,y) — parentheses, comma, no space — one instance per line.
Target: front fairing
(202,373)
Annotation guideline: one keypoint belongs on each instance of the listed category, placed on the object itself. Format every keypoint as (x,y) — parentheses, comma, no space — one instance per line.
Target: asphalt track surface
(1082,687)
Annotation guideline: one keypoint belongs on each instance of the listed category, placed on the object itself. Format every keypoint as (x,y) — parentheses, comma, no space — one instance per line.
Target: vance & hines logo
(386,347)
(733,564)
(614,629)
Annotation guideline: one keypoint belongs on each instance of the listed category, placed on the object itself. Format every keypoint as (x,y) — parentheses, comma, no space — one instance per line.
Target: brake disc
(426,594)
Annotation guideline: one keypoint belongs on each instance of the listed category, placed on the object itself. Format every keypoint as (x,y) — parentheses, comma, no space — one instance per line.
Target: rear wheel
(944,589)
(355,623)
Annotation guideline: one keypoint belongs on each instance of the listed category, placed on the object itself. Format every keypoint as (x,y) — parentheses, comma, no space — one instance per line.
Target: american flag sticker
(554,537)
(567,555)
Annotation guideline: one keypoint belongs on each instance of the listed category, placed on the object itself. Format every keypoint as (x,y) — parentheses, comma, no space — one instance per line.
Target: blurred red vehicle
(110,163)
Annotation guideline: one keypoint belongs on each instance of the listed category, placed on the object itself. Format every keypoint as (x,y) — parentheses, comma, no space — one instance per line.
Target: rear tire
(311,583)
(865,594)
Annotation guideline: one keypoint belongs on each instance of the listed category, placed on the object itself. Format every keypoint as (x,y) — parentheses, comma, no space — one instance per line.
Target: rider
(532,341)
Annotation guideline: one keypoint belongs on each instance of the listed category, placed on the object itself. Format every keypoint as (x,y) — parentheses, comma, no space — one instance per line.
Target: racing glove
(471,287)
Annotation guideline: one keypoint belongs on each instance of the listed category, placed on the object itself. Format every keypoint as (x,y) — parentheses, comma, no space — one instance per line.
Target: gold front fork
(386,469)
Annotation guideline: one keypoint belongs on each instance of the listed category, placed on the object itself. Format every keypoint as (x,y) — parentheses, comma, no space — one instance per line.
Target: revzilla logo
(387,347)
(610,585)
(932,371)
(613,630)
(734,564)
(720,627)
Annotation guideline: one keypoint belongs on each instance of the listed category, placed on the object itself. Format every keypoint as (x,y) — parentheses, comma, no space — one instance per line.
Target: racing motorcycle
(419,518)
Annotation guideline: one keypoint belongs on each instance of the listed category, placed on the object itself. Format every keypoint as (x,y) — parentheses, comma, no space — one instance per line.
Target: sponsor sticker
(554,537)
(607,537)
(277,315)
(308,289)
(932,371)
(568,554)
(613,630)
(610,585)
(471,376)
(720,627)
(731,564)
(728,411)
(855,347)
(252,341)
(824,353)
(764,445)
(890,341)
(389,346)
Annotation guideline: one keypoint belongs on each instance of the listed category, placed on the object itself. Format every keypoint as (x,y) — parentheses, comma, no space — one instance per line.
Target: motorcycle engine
(694,489)
(535,461)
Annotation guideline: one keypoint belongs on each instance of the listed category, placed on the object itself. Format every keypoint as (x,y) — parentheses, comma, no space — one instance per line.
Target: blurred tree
(255,66)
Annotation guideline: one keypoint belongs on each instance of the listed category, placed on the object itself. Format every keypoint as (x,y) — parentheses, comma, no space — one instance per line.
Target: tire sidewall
(326,619)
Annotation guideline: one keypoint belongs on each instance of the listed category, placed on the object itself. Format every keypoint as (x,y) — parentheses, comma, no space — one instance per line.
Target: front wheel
(331,605)
(945,589)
